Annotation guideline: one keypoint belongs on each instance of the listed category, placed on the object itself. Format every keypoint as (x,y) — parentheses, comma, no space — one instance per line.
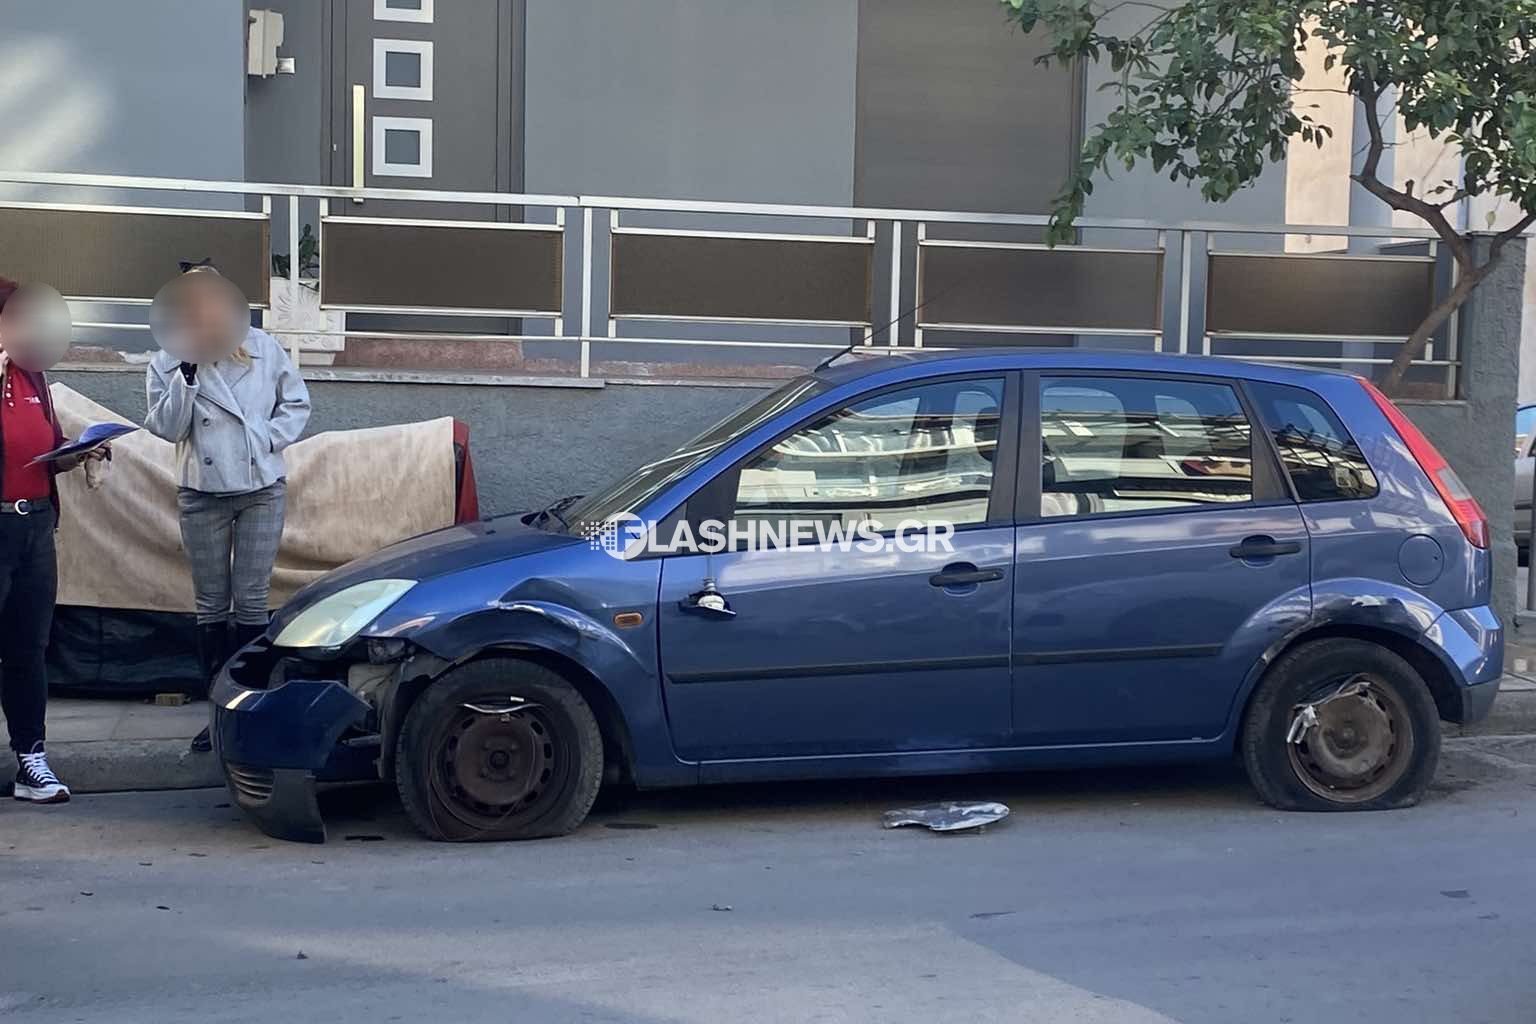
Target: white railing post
(917,289)
(586,291)
(1185,265)
(293,276)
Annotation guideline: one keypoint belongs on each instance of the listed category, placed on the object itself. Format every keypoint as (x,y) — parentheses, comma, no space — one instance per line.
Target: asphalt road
(1117,897)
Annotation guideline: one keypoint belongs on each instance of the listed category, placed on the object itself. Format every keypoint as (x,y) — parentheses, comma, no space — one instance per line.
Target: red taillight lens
(1468,513)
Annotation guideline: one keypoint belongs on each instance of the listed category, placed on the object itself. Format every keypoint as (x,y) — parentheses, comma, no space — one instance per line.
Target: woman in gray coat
(230,420)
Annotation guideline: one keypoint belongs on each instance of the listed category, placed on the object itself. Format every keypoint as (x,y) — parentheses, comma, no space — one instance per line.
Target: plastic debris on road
(947,817)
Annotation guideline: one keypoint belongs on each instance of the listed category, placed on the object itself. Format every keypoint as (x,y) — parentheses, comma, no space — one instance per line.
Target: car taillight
(1468,513)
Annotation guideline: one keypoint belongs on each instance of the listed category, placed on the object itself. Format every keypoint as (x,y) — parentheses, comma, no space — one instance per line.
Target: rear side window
(1323,461)
(1123,444)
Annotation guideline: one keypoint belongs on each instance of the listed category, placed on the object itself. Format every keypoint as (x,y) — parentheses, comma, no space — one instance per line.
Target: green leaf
(1212,92)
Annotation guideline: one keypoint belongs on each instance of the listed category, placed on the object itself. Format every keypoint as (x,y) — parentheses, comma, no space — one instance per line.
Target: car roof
(856,365)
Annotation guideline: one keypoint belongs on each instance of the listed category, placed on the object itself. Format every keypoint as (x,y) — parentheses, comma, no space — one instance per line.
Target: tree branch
(1437,317)
(1397,199)
(1509,234)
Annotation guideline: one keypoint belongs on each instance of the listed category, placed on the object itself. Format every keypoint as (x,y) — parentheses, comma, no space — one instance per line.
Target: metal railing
(590,278)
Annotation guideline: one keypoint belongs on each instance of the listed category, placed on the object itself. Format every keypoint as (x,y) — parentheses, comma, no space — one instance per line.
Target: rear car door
(873,646)
(1158,553)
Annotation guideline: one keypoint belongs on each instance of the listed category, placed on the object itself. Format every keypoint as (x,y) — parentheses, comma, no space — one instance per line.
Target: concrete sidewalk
(104,746)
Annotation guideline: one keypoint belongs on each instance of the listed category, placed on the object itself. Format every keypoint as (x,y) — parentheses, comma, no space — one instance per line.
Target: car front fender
(623,661)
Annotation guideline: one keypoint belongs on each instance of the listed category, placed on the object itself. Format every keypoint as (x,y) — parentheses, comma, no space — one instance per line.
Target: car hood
(434,554)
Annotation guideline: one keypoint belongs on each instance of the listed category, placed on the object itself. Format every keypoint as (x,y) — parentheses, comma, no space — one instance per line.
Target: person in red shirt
(29,509)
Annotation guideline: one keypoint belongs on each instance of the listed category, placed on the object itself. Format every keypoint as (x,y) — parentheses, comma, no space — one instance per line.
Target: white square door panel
(419,11)
(402,69)
(402,147)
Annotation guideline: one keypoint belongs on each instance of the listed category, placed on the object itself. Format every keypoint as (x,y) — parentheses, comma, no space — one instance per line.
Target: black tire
(1374,748)
(498,773)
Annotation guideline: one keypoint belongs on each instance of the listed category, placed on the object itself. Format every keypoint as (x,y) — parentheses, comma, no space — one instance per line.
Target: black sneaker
(35,781)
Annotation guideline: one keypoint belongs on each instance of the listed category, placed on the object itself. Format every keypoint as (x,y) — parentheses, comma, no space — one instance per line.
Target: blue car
(976,561)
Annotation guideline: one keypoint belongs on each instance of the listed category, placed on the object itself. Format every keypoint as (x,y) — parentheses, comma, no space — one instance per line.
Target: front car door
(881,644)
(1159,552)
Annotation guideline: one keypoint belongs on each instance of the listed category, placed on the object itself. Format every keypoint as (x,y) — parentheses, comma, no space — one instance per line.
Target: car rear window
(1119,444)
(1323,461)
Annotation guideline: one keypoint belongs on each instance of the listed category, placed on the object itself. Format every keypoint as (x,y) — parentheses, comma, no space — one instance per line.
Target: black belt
(22,507)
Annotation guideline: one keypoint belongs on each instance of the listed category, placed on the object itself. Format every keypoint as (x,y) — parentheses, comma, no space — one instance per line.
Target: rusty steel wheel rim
(489,770)
(1361,744)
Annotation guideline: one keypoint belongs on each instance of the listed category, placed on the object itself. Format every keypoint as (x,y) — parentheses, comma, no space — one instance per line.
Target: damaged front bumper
(280,726)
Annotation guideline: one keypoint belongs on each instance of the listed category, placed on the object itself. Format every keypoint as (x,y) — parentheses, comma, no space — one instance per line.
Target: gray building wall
(152,87)
(954,113)
(692,99)
(287,117)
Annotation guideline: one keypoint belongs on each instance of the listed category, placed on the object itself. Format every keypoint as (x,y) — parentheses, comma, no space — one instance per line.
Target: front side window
(630,493)
(1322,460)
(922,454)
(1124,444)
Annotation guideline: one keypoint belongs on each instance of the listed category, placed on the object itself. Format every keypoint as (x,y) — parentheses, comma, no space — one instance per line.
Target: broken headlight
(332,621)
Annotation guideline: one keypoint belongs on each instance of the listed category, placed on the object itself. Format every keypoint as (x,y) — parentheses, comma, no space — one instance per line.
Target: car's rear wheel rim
(495,769)
(1361,743)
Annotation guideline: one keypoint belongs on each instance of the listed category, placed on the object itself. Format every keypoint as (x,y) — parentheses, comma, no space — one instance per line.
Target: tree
(1211,91)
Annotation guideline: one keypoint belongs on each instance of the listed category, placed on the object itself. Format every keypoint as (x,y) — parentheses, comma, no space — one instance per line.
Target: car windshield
(644,483)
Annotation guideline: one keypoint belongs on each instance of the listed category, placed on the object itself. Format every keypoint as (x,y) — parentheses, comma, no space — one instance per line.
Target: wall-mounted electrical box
(263,35)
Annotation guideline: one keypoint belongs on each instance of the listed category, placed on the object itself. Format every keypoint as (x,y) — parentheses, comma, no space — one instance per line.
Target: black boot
(212,651)
(245,632)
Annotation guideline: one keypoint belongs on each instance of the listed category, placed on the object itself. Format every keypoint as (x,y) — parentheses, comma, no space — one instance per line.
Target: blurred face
(200,317)
(35,327)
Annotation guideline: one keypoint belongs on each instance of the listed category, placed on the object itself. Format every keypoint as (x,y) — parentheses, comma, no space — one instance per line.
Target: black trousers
(29,583)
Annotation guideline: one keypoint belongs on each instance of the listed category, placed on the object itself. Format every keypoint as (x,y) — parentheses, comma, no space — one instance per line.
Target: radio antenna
(846,349)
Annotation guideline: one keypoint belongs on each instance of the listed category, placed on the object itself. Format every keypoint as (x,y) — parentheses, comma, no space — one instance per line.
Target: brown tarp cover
(349,493)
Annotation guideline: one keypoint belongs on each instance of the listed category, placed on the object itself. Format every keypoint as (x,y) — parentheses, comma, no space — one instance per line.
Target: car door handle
(708,602)
(1263,547)
(964,575)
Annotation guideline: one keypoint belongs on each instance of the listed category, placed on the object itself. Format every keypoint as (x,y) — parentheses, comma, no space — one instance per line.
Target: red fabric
(26,432)
(467,501)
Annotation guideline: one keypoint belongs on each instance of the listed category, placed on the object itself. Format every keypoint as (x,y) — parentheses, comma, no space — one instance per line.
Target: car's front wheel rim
(1351,741)
(492,768)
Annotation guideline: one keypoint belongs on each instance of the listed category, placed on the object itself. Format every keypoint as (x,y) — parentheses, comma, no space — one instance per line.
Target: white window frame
(382,90)
(382,167)
(383,12)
